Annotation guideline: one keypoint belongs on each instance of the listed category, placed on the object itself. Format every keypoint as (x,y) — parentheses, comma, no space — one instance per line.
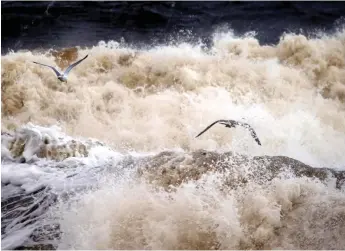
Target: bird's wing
(233,123)
(69,68)
(51,67)
(229,123)
(210,126)
(252,132)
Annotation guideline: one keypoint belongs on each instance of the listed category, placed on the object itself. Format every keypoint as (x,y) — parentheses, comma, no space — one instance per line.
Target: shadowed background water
(47,24)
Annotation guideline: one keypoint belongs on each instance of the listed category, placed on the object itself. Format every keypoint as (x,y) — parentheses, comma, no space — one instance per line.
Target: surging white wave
(142,102)
(149,100)
(22,183)
(199,215)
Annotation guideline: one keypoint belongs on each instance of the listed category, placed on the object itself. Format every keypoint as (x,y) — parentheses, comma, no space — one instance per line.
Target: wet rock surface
(22,145)
(171,168)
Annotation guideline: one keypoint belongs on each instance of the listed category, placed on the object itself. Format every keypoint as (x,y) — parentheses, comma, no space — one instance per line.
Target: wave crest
(165,94)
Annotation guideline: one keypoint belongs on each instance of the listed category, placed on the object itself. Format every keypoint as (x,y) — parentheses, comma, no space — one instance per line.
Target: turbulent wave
(160,98)
(83,143)
(171,200)
(200,216)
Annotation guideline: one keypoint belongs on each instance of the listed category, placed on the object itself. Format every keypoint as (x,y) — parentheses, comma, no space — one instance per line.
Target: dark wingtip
(199,134)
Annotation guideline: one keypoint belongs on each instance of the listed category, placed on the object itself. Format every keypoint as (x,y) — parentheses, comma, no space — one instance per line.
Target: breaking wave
(85,140)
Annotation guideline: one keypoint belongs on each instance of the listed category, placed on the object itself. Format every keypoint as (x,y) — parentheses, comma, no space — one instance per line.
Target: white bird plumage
(63,77)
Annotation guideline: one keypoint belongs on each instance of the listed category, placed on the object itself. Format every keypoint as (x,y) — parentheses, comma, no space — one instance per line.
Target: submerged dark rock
(24,209)
(37,247)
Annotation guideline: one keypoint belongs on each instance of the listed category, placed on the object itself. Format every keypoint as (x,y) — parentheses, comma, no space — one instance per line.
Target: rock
(21,208)
(60,152)
(24,143)
(37,247)
(172,168)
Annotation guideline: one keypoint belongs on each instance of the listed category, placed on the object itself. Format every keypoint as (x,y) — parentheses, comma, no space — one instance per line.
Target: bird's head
(228,124)
(62,78)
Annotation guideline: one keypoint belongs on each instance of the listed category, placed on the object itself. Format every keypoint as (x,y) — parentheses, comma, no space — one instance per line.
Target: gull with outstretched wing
(233,123)
(63,77)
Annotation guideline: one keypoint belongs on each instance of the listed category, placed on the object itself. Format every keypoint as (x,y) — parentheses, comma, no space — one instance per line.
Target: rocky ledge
(173,168)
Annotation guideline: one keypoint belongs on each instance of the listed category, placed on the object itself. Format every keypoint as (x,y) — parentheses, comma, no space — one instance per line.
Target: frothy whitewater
(83,142)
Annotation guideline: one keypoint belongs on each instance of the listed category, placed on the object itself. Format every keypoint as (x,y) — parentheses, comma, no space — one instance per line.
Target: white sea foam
(142,102)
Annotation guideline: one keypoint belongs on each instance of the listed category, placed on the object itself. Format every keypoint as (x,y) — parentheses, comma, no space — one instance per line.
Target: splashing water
(82,141)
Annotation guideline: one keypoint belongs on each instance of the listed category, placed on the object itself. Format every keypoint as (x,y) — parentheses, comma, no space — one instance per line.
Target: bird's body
(63,77)
(233,123)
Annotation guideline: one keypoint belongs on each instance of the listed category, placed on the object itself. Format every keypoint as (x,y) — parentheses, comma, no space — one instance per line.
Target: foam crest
(198,215)
(158,98)
(30,142)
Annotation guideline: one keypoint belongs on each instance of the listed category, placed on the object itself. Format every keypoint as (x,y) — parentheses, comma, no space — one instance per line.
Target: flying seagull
(233,123)
(63,77)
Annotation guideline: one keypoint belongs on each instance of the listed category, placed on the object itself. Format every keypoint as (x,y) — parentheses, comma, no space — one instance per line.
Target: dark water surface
(33,25)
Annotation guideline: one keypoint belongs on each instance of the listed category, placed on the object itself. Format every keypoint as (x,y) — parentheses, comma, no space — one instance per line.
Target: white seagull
(233,123)
(63,77)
